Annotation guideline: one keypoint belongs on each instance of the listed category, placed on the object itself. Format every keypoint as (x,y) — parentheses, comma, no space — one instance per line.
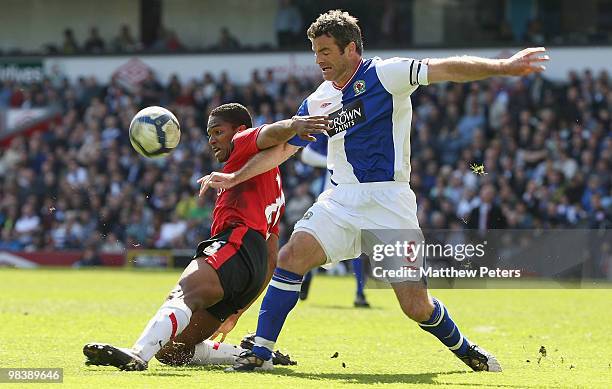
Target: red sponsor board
(53,258)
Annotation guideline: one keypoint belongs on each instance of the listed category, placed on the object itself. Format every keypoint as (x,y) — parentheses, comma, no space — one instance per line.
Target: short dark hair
(339,25)
(233,113)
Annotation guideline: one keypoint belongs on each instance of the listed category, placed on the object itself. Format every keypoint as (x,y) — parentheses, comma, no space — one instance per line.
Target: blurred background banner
(21,69)
(32,259)
(148,258)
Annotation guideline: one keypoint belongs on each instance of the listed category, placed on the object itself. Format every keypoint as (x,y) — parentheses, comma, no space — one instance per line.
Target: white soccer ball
(154,132)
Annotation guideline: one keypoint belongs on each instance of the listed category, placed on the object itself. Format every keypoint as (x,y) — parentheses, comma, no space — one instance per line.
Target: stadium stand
(528,153)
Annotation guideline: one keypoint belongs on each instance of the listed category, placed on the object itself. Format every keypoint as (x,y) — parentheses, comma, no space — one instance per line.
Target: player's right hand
(307,126)
(226,327)
(216,180)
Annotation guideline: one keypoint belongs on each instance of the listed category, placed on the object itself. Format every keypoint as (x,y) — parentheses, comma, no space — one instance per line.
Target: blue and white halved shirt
(371,115)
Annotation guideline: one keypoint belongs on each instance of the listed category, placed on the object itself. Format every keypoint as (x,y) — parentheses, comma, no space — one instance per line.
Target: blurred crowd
(523,153)
(503,153)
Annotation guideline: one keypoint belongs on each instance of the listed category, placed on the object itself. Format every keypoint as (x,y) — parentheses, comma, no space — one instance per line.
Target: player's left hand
(226,327)
(216,180)
(307,126)
(525,62)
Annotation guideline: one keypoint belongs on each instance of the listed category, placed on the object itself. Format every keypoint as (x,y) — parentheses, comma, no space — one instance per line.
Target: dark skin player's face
(220,134)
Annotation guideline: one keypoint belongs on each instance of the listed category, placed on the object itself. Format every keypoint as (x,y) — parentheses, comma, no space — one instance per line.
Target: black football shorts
(240,257)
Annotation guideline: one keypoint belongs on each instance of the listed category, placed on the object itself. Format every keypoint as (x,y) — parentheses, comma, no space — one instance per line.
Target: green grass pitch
(47,315)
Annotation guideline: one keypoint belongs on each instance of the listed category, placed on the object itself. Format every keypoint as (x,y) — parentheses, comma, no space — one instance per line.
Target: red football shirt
(257,202)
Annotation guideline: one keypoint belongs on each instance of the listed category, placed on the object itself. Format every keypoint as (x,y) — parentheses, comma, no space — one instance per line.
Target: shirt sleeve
(245,142)
(296,140)
(401,75)
(313,158)
(320,146)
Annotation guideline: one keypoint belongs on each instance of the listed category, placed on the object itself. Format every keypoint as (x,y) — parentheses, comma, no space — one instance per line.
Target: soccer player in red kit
(230,269)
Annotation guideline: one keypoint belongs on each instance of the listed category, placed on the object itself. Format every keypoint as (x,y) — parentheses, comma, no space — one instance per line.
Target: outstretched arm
(468,68)
(280,132)
(260,163)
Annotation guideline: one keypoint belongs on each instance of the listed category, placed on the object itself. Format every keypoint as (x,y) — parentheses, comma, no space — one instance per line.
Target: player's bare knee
(298,255)
(289,259)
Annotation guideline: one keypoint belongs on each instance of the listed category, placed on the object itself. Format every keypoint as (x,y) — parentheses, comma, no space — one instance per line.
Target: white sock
(171,319)
(214,353)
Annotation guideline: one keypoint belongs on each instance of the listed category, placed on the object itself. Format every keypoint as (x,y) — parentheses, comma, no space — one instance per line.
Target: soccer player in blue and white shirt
(368,101)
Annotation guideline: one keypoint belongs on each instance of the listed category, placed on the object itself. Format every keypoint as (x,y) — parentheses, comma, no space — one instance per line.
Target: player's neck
(346,77)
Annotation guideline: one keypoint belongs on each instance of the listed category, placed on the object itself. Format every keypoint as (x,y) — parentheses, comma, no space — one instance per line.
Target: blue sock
(443,327)
(280,298)
(358,269)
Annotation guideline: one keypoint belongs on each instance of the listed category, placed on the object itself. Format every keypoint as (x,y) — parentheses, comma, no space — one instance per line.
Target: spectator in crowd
(27,225)
(297,204)
(68,233)
(90,257)
(288,24)
(266,115)
(9,241)
(388,23)
(112,245)
(125,42)
(151,91)
(69,45)
(94,44)
(167,40)
(486,215)
(226,42)
(172,233)
(534,34)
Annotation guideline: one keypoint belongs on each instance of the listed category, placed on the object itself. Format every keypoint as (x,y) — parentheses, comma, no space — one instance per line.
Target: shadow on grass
(347,378)
(392,378)
(346,307)
(159,373)
(162,373)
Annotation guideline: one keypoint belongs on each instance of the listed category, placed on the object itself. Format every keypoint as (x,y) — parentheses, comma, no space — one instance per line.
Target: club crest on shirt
(359,87)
